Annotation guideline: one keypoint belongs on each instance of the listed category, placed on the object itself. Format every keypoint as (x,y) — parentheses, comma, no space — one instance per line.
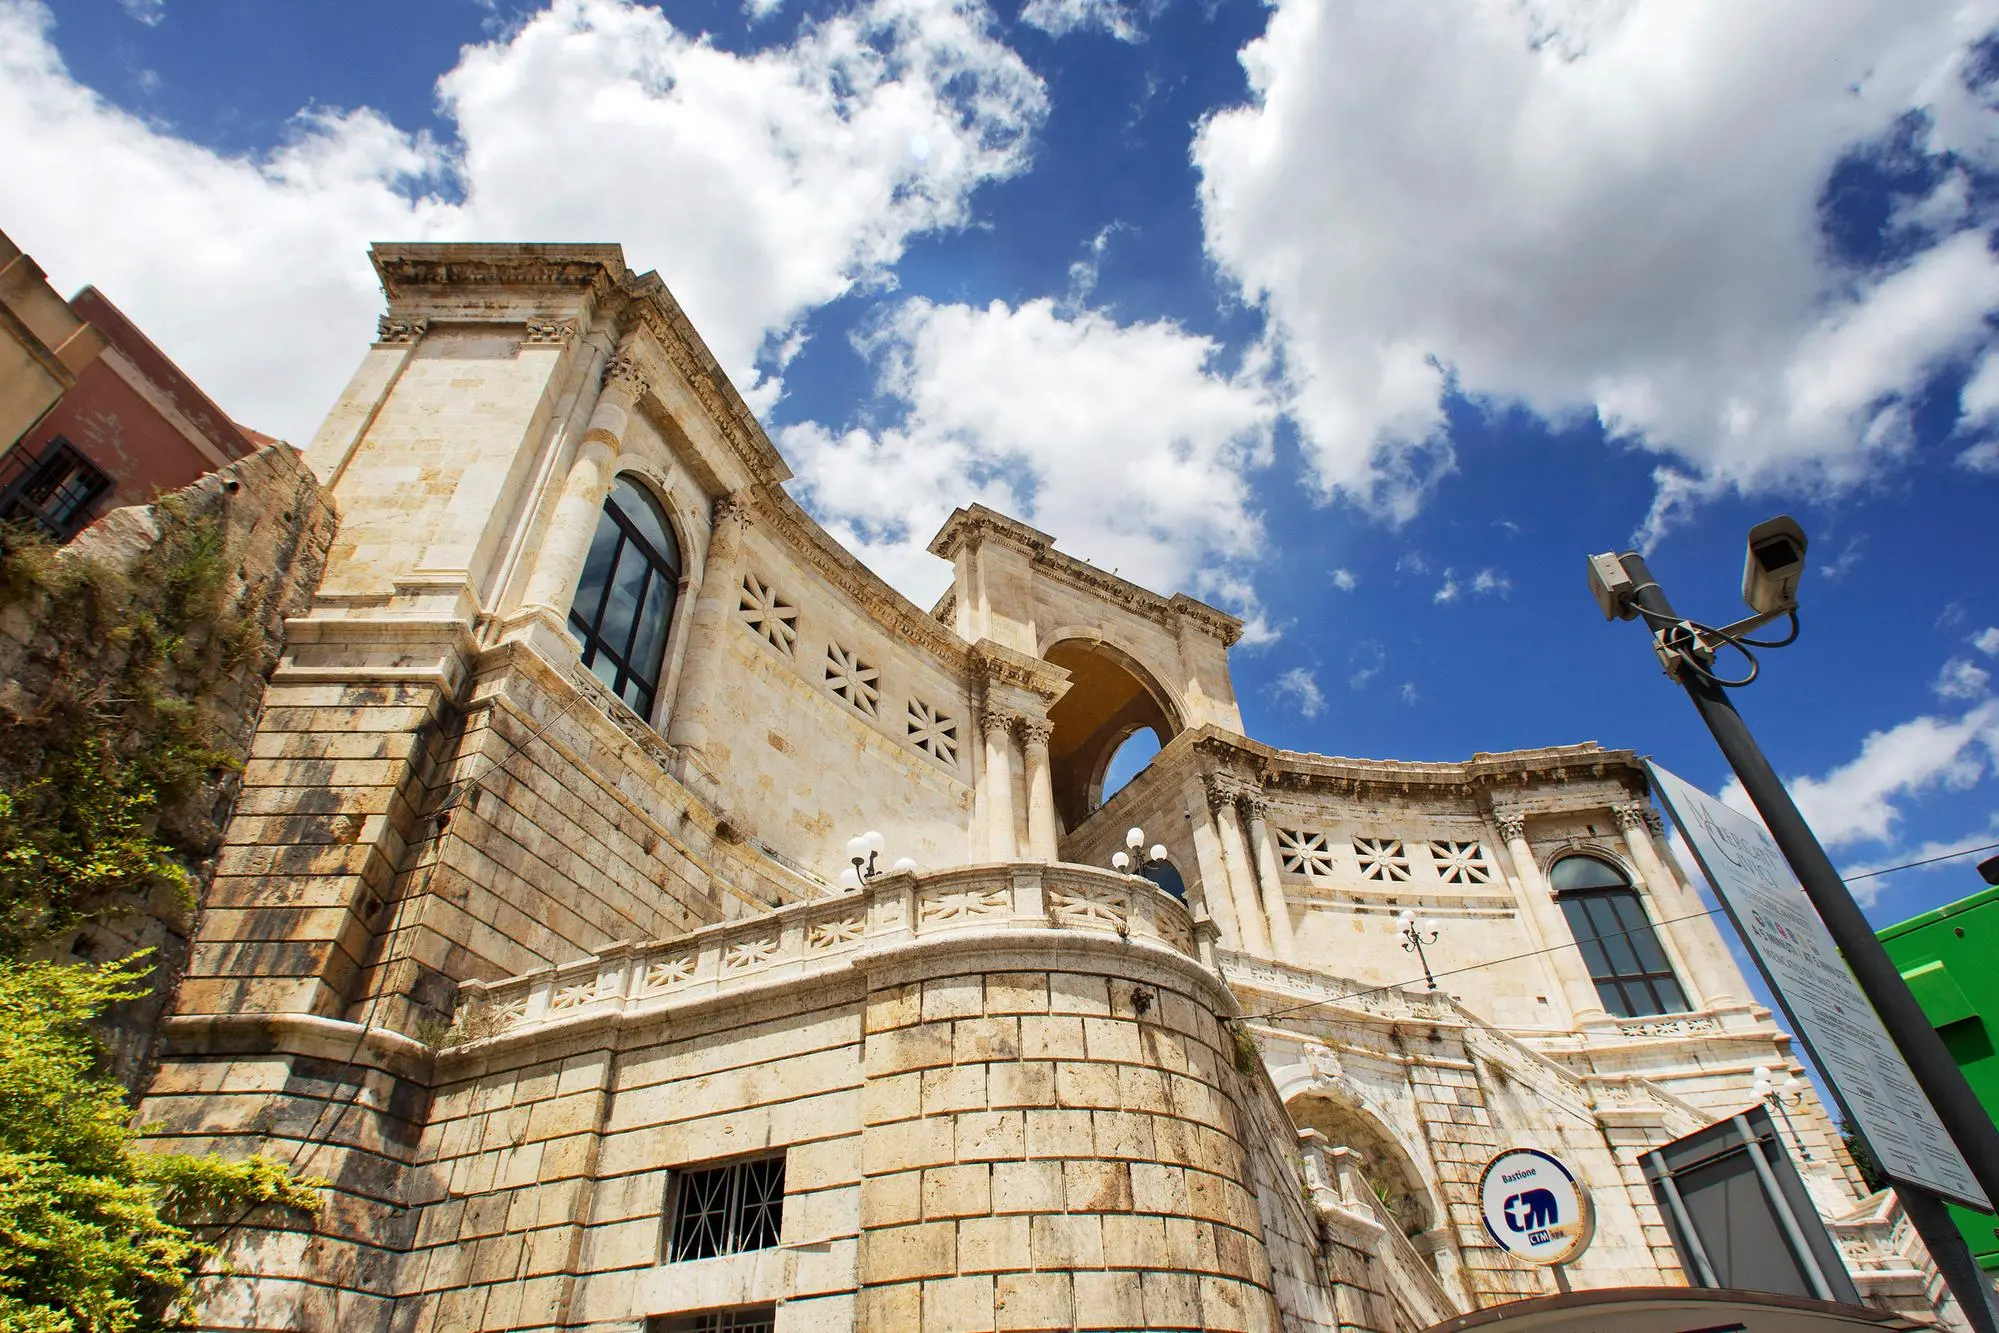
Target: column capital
(1512,824)
(1034,733)
(999,721)
(1253,803)
(1630,815)
(730,509)
(1224,790)
(623,374)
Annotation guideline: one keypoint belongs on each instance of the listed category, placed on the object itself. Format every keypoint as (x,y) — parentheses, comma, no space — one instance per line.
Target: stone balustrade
(826,935)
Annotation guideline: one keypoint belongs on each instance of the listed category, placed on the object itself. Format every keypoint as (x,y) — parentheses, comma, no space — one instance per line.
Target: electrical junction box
(1950,958)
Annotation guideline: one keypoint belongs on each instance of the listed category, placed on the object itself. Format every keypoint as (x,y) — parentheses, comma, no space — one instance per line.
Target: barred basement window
(1632,975)
(742,1319)
(768,615)
(1461,862)
(727,1209)
(1382,859)
(1303,853)
(932,732)
(852,679)
(55,490)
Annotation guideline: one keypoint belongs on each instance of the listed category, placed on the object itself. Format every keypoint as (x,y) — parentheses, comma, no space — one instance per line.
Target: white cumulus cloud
(1987,641)
(1862,799)
(761,185)
(1127,441)
(1962,678)
(1609,210)
(1299,688)
(1345,580)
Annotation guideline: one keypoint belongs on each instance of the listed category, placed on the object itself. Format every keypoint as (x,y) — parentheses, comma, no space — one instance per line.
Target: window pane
(1584,872)
(588,603)
(650,643)
(646,520)
(1632,975)
(621,603)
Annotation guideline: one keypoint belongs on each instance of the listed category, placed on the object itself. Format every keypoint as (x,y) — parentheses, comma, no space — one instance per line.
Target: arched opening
(1390,1171)
(1111,702)
(1632,974)
(624,600)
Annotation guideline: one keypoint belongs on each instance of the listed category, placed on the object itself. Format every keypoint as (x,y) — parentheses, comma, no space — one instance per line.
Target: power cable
(1927,861)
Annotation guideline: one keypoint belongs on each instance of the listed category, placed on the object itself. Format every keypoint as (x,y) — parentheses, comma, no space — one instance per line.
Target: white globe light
(850,878)
(1120,862)
(905,863)
(857,849)
(876,843)
(1429,926)
(1158,852)
(1134,838)
(1405,919)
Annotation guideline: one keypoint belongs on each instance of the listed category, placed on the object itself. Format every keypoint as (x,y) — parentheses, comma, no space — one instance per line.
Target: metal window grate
(741,1319)
(727,1209)
(56,490)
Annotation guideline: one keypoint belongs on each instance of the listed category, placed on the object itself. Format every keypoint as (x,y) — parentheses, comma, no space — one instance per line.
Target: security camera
(1775,563)
(1611,585)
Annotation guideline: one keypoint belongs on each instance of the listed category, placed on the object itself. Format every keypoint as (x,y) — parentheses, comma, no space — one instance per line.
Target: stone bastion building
(527,929)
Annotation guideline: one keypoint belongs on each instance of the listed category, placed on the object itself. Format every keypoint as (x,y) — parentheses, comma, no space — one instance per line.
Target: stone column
(1565,960)
(1214,869)
(1042,838)
(1710,970)
(567,541)
(1254,808)
(1254,933)
(1000,842)
(690,723)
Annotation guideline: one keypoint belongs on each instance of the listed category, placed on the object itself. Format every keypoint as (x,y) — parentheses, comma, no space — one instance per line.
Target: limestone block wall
(1005,1099)
(806,755)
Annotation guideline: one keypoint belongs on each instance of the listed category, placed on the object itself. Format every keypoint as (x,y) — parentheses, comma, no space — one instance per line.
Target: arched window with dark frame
(1632,974)
(624,602)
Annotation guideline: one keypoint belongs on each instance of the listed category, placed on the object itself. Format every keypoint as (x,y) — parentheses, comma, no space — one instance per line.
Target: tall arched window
(1631,972)
(624,601)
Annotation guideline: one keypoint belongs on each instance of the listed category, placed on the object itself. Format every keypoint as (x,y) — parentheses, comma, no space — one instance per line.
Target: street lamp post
(1792,1093)
(1415,935)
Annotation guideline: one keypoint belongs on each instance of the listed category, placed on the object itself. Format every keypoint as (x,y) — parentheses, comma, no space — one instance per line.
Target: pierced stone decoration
(766,613)
(932,732)
(570,997)
(1382,859)
(852,679)
(1304,853)
(1090,907)
(670,971)
(746,954)
(822,935)
(938,906)
(1461,862)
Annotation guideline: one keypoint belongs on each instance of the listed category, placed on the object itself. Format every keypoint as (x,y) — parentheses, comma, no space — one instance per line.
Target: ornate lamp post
(862,850)
(1790,1093)
(1415,934)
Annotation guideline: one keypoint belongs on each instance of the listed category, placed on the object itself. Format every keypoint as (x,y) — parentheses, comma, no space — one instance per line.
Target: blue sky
(1366,321)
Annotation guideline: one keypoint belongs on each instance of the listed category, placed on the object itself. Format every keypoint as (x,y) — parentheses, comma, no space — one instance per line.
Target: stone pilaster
(1255,809)
(1565,960)
(997,779)
(1042,827)
(1710,971)
(564,546)
(1224,793)
(691,724)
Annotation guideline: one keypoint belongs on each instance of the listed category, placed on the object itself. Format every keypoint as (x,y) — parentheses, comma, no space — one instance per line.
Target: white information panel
(1828,1011)
(1533,1207)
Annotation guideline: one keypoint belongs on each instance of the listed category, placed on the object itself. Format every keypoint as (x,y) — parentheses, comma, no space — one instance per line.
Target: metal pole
(1785,1217)
(1963,1117)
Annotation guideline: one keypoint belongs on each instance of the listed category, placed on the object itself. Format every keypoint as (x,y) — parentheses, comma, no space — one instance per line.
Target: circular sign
(1533,1207)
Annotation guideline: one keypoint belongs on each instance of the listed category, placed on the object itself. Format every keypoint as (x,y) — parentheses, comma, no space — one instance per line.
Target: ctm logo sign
(1532,1213)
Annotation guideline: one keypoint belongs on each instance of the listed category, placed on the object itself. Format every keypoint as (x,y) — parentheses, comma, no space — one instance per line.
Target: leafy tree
(1870,1170)
(97,1236)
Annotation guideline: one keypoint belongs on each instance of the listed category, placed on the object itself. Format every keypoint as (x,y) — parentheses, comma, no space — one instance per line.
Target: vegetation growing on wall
(102,734)
(91,760)
(93,1234)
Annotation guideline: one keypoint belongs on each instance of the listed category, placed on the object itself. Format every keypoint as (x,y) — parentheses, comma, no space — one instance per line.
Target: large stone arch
(1111,695)
(1399,1180)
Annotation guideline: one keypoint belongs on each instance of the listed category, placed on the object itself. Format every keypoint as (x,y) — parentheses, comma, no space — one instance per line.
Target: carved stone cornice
(976,523)
(550,332)
(654,307)
(407,268)
(1593,776)
(1003,667)
(390,329)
